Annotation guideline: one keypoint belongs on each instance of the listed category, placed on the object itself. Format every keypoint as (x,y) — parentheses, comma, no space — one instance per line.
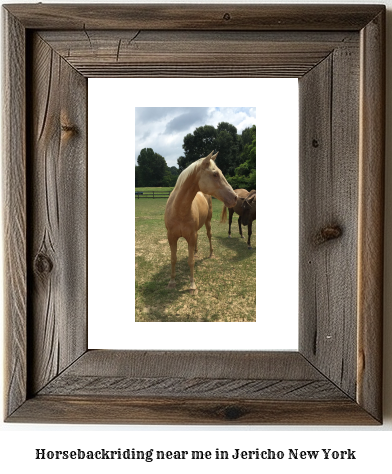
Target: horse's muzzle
(232,201)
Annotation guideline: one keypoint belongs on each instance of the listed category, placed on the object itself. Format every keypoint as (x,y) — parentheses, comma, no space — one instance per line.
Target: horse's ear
(251,197)
(214,157)
(206,161)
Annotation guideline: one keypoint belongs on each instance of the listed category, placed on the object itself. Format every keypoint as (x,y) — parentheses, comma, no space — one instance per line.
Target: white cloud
(163,128)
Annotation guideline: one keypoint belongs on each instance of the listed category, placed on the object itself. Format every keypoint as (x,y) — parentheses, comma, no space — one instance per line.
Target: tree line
(152,170)
(236,158)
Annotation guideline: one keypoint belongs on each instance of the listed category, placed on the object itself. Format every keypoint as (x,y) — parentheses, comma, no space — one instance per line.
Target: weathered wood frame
(337,52)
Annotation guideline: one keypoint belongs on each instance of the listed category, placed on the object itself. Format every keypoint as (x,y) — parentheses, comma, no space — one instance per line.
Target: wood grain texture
(206,374)
(155,411)
(206,364)
(14,208)
(329,137)
(371,216)
(195,53)
(195,17)
(190,387)
(193,387)
(57,215)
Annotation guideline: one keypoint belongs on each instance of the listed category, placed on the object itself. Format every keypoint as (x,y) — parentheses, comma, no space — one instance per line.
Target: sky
(163,128)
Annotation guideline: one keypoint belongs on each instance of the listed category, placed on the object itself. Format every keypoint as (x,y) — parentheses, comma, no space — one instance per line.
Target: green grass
(226,283)
(155,189)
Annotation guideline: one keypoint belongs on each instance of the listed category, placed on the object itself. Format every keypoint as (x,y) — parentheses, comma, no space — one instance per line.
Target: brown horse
(242,194)
(189,207)
(249,213)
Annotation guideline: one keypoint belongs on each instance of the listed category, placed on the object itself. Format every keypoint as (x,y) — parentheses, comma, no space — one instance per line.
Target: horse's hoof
(171,285)
(242,237)
(229,236)
(193,291)
(249,247)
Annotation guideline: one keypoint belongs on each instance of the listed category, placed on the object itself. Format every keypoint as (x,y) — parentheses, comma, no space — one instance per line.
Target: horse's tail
(224,214)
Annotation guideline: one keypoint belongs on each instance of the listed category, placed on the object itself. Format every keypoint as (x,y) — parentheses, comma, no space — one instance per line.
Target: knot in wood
(315,143)
(68,128)
(232,412)
(43,264)
(227,16)
(328,233)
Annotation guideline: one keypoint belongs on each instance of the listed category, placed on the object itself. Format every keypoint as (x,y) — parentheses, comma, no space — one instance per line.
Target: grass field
(154,189)
(226,283)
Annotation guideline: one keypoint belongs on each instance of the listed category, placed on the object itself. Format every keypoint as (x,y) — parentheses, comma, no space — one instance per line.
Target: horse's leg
(191,263)
(196,245)
(173,250)
(231,212)
(209,235)
(239,226)
(249,234)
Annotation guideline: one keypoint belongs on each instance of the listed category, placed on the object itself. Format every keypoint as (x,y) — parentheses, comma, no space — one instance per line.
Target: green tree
(152,168)
(244,175)
(237,153)
(137,177)
(247,136)
(227,143)
(182,163)
(170,177)
(200,143)
(196,145)
(174,171)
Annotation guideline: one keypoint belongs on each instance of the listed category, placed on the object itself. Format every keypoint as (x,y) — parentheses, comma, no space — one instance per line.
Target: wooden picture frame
(337,52)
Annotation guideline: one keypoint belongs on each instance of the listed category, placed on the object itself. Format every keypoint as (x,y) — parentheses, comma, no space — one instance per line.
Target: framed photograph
(227,280)
(337,53)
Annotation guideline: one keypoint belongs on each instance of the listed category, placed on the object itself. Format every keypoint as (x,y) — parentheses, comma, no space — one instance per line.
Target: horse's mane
(184,175)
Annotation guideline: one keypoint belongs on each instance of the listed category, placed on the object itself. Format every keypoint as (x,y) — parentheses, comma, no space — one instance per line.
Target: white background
(112,224)
(18,442)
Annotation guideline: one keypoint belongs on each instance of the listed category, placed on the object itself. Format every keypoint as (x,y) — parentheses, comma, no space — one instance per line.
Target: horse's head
(212,181)
(249,208)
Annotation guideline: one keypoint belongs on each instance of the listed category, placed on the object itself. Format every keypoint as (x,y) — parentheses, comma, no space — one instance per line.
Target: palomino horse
(249,213)
(189,207)
(241,193)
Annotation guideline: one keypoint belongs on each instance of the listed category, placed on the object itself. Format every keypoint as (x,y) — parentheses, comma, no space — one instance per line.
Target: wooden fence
(152,194)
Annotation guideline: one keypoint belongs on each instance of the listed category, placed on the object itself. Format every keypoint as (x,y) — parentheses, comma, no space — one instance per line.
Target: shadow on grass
(156,302)
(238,245)
(156,297)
